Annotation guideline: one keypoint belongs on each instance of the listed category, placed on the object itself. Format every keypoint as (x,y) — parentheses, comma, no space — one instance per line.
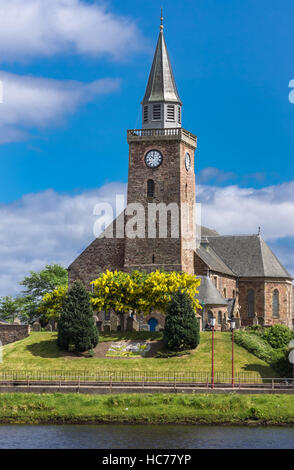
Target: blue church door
(152,324)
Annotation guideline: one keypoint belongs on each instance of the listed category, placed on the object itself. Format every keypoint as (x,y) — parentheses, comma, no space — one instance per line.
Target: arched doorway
(152,324)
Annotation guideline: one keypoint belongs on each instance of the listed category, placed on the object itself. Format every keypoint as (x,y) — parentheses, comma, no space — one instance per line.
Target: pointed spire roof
(161,84)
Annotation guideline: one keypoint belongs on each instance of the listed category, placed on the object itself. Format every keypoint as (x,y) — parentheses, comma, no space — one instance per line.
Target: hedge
(276,358)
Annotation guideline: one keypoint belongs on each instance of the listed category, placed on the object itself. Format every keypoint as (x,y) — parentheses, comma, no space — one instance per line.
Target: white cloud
(32,102)
(49,227)
(46,227)
(42,28)
(232,209)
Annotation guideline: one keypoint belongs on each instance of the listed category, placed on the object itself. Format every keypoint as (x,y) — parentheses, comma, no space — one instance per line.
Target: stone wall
(102,254)
(11,333)
(263,306)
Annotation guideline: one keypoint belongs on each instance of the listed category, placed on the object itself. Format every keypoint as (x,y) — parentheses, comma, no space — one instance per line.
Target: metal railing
(167,379)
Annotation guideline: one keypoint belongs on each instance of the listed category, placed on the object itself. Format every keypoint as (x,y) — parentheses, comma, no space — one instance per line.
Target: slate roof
(213,261)
(208,293)
(248,256)
(161,84)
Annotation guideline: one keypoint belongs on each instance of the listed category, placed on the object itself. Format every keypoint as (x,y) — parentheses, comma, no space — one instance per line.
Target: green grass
(146,408)
(39,352)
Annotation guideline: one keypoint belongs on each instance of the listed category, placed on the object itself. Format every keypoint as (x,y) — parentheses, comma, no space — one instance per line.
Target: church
(240,275)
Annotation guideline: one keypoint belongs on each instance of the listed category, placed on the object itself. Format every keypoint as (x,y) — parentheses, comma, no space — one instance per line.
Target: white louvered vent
(170,112)
(156,112)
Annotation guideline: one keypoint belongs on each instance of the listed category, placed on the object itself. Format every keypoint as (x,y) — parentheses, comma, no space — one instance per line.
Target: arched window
(276,303)
(219,317)
(150,188)
(251,302)
(209,316)
(153,259)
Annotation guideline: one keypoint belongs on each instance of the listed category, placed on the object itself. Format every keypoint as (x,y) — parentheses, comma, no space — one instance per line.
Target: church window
(170,112)
(179,115)
(156,112)
(276,303)
(234,293)
(153,259)
(215,281)
(150,188)
(219,317)
(145,114)
(251,302)
(225,293)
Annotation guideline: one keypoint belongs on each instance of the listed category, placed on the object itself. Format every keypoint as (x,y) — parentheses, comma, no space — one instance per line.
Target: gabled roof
(212,260)
(161,84)
(208,293)
(248,256)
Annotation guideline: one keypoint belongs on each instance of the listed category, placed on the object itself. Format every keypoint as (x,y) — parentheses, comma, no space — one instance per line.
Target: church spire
(161,103)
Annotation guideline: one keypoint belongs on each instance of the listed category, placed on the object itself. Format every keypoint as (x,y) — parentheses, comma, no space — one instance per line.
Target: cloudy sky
(74,73)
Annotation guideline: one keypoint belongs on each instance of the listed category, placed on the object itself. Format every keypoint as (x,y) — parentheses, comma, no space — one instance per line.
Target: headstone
(144,327)
(113,322)
(136,325)
(130,321)
(255,320)
(48,327)
(106,328)
(36,326)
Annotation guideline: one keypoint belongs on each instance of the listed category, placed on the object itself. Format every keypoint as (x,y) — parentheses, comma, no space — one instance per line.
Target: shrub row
(255,344)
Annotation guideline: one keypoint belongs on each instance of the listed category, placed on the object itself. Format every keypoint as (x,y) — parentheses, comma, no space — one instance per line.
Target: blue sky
(73,86)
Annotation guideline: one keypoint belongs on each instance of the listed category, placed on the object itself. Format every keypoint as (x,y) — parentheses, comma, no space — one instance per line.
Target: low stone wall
(12,333)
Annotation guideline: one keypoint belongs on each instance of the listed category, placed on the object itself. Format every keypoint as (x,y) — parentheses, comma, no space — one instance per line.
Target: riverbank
(58,408)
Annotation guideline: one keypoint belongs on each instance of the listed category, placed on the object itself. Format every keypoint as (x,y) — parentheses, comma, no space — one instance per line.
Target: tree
(9,309)
(141,292)
(181,330)
(51,305)
(37,284)
(76,326)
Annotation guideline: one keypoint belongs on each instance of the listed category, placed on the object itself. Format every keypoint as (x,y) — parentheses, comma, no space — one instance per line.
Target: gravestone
(113,323)
(106,327)
(36,326)
(132,324)
(144,327)
(48,327)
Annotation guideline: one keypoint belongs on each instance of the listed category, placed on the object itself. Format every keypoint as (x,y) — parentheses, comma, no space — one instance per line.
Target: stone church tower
(162,177)
(240,275)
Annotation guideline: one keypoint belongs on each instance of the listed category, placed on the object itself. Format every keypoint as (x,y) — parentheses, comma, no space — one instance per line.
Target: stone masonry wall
(11,333)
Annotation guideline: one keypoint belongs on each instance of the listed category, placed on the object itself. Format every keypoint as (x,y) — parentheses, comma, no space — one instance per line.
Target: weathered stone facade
(11,333)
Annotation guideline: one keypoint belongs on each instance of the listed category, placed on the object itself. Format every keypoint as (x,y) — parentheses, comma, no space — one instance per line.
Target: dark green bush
(181,329)
(278,336)
(76,326)
(276,358)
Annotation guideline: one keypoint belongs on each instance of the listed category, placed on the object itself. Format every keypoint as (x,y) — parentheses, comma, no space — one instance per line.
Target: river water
(144,437)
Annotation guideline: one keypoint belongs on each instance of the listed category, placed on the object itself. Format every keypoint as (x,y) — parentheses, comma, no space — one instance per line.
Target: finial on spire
(161,21)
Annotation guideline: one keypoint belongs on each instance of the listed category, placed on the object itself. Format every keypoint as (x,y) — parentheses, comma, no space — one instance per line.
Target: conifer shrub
(181,330)
(76,327)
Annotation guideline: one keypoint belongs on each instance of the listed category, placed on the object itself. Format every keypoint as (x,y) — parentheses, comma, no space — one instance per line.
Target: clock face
(153,158)
(187,161)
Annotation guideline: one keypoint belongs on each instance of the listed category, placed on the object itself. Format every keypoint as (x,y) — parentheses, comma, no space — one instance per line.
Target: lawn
(39,352)
(17,408)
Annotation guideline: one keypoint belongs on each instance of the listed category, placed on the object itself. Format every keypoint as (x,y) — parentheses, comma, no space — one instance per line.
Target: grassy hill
(40,352)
